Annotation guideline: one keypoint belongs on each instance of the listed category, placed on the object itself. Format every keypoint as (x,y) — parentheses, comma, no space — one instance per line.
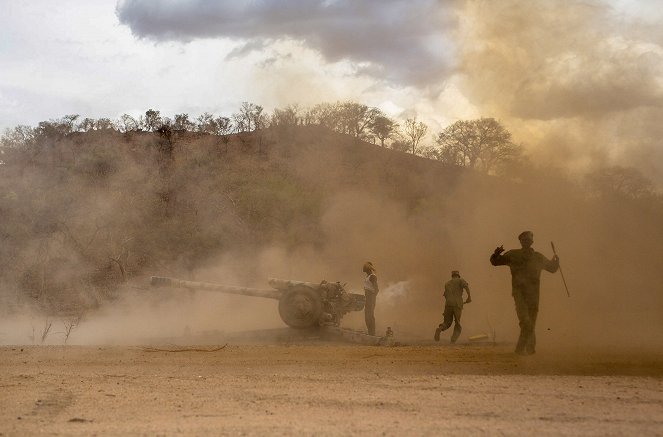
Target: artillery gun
(301,304)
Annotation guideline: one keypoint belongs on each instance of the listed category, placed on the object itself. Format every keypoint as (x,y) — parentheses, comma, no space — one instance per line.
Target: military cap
(526,234)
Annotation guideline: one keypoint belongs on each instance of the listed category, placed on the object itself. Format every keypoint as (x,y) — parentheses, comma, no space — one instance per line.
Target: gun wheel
(300,308)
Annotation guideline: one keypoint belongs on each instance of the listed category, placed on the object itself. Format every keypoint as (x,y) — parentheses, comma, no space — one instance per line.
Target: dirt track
(324,389)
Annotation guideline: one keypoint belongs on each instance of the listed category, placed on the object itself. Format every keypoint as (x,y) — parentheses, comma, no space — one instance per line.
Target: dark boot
(437,333)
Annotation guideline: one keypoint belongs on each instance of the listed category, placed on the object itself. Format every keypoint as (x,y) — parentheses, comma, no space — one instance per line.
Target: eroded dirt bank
(327,389)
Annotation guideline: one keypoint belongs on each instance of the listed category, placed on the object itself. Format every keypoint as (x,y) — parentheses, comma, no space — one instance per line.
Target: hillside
(87,215)
(99,208)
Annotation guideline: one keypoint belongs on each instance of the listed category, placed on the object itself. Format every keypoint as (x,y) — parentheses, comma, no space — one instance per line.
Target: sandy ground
(317,388)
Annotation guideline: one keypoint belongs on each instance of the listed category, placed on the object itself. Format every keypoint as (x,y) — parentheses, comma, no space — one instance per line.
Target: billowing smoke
(543,61)
(395,291)
(579,83)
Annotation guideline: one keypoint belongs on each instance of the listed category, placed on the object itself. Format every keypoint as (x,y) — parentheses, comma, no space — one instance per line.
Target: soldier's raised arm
(497,259)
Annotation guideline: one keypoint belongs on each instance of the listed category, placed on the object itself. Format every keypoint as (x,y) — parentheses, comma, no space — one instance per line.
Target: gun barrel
(161,281)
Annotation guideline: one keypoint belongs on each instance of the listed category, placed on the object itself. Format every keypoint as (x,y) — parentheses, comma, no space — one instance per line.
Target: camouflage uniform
(453,305)
(526,265)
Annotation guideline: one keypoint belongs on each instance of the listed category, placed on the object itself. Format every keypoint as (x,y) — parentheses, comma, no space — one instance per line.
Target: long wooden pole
(560,271)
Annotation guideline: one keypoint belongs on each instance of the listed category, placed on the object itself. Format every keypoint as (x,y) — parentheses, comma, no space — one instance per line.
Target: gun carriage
(301,304)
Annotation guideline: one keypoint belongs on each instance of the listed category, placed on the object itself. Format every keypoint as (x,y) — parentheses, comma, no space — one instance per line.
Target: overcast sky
(577,81)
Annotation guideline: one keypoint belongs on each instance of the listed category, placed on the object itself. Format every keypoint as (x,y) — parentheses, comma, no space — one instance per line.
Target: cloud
(402,42)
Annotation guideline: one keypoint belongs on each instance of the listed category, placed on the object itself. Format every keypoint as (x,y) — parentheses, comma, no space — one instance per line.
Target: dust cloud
(416,221)
(610,258)
(578,84)
(610,255)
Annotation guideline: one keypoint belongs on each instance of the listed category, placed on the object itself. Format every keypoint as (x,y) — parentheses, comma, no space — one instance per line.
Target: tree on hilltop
(210,124)
(356,118)
(288,116)
(153,120)
(482,144)
(383,128)
(127,123)
(17,137)
(182,122)
(622,182)
(324,114)
(414,131)
(249,118)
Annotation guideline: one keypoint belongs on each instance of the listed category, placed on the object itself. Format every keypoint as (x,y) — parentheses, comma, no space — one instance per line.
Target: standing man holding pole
(371,290)
(526,265)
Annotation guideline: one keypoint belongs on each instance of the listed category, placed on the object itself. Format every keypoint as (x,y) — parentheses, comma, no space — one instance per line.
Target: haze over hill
(88,217)
(577,83)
